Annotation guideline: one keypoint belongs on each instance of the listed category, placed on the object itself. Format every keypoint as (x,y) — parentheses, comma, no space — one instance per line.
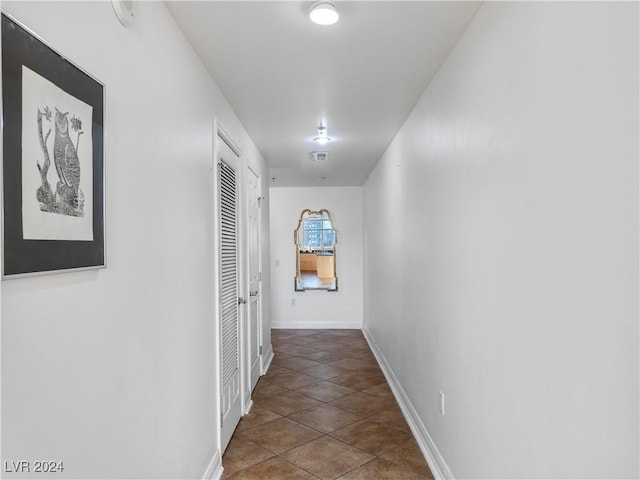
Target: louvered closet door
(255,338)
(229,311)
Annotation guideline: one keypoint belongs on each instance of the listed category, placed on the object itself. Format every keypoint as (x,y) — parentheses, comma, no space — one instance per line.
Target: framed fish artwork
(52,159)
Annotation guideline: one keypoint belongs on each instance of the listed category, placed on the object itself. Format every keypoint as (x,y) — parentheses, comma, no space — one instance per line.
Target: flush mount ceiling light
(322,138)
(124,11)
(323,13)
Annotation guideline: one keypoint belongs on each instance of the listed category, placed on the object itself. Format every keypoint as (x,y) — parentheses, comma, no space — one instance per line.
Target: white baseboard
(357,325)
(214,470)
(267,358)
(436,462)
(248,406)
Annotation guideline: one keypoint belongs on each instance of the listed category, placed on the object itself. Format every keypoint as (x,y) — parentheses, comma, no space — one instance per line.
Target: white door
(255,343)
(228,241)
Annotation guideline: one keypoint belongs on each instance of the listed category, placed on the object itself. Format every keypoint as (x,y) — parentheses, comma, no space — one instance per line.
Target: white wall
(113,371)
(502,246)
(316,309)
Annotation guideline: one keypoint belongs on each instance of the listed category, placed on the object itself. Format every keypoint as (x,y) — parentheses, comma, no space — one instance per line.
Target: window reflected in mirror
(315,240)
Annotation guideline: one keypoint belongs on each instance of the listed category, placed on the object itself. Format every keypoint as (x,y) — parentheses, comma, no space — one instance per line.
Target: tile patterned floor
(323,411)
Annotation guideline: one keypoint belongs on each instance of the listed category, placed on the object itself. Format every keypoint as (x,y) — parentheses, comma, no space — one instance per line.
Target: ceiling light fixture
(322,138)
(323,13)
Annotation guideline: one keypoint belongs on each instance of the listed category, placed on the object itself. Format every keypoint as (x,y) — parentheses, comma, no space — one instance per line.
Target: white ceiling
(284,75)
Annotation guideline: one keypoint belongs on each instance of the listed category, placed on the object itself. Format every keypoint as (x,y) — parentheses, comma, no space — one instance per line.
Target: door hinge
(260,349)
(259,276)
(221,419)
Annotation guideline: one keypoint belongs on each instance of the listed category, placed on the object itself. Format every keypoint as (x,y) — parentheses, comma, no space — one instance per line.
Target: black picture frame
(22,48)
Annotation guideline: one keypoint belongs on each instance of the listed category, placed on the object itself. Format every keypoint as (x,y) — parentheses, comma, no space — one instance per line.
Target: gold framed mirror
(315,241)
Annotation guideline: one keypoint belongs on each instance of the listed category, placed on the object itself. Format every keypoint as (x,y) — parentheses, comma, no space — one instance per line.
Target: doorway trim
(220,136)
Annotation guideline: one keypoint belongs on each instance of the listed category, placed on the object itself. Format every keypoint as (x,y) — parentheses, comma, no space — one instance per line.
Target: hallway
(323,411)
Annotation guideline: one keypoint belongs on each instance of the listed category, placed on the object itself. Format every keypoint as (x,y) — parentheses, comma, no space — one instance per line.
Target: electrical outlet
(293,302)
(441,403)
(277,262)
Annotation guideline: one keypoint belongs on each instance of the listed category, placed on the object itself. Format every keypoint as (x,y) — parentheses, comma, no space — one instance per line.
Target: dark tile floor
(323,411)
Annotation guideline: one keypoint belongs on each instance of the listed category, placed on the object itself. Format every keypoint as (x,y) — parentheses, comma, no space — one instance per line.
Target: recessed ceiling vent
(319,156)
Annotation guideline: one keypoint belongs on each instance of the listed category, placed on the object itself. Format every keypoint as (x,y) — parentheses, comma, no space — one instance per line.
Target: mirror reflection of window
(318,234)
(315,240)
